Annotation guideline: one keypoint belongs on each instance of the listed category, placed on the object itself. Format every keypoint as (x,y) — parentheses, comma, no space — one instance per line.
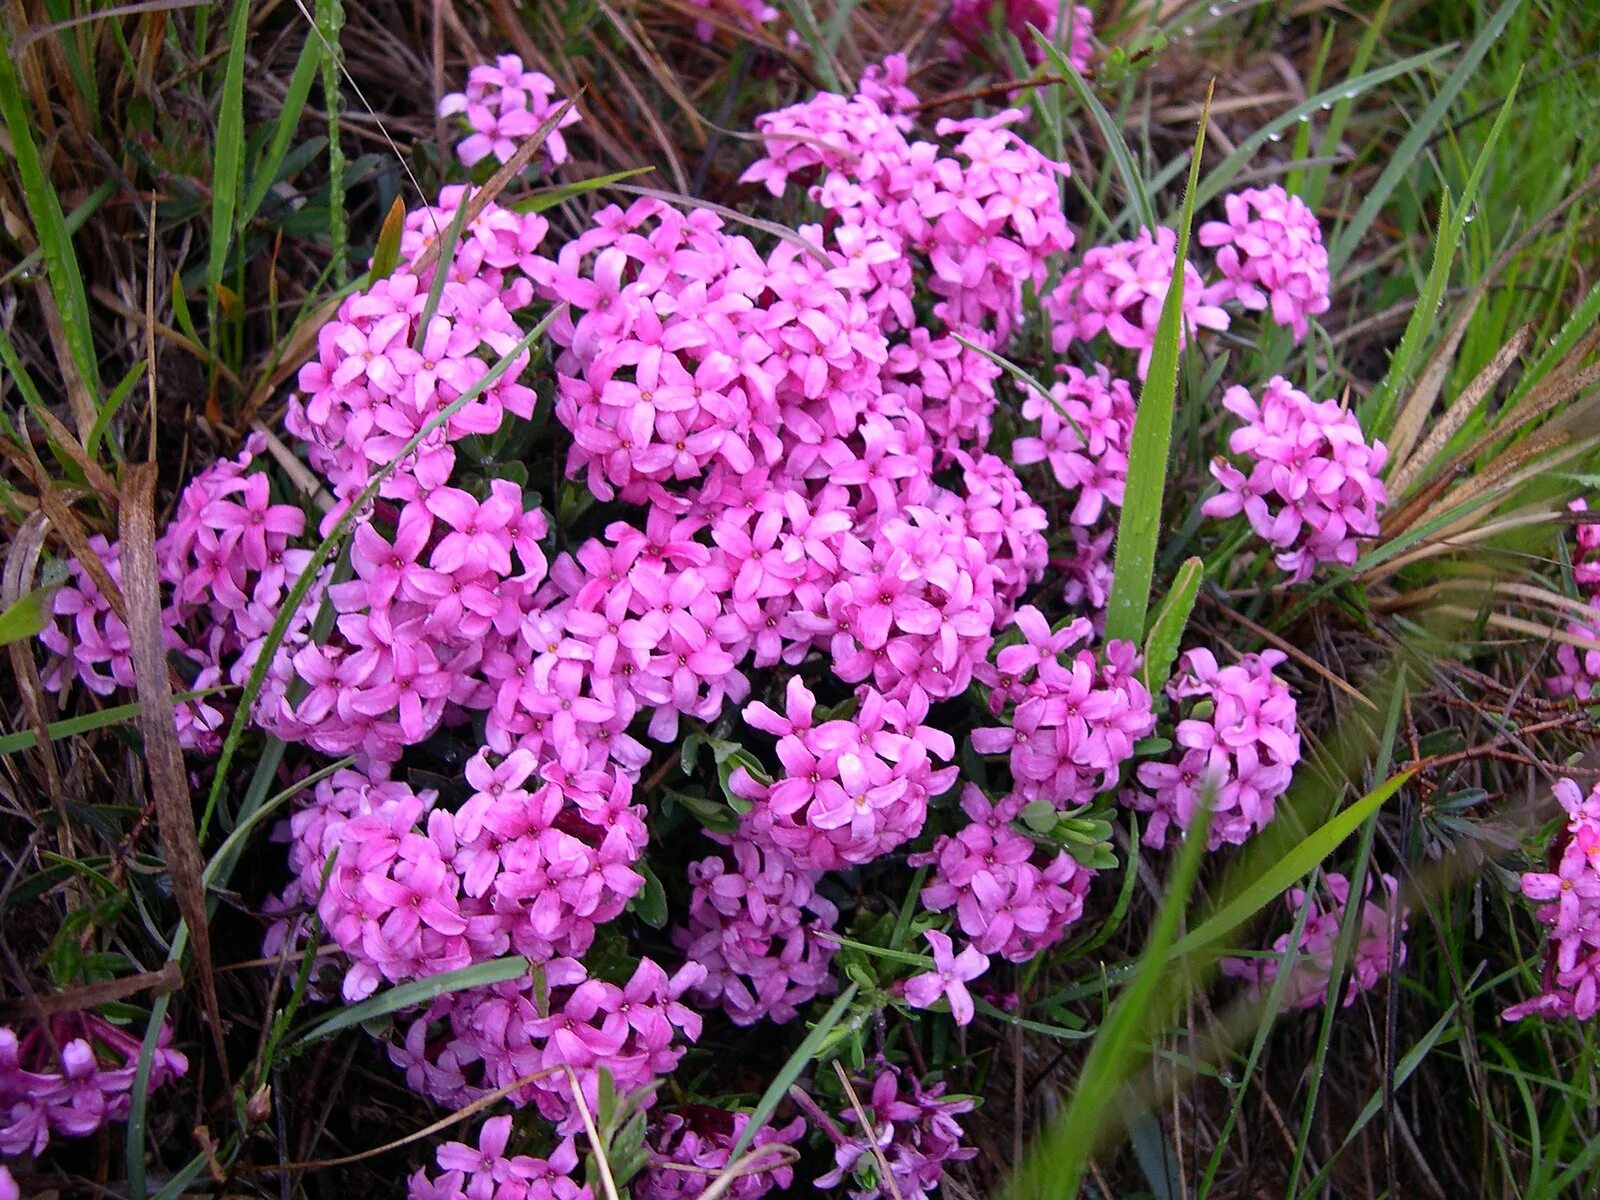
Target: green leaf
(1281,875)
(1171,619)
(229,163)
(49,222)
(1139,526)
(25,618)
(650,905)
(294,105)
(548,197)
(410,995)
(386,255)
(790,1071)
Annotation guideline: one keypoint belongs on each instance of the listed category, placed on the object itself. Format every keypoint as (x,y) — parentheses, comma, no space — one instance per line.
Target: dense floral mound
(789,543)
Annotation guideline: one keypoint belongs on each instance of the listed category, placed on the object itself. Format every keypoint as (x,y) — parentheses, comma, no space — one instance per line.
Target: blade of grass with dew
(1404,156)
(1055,1165)
(1026,380)
(1139,525)
(1453,218)
(1294,865)
(1167,626)
(1121,157)
(1223,174)
(409,995)
(228,170)
(790,1071)
(49,222)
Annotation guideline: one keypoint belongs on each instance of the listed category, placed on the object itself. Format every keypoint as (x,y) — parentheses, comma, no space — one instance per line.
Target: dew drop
(1215,10)
(1326,105)
(1305,118)
(1274,136)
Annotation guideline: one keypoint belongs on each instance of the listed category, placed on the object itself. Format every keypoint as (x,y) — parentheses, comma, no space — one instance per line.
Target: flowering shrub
(740,647)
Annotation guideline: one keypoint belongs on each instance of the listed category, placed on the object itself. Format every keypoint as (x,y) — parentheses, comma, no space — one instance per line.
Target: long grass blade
(1139,526)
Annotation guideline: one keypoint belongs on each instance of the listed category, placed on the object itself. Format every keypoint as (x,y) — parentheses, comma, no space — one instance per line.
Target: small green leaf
(1171,619)
(25,618)
(410,995)
(650,905)
(790,1071)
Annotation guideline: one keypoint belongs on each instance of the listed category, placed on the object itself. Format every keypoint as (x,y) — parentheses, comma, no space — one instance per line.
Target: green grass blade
(49,222)
(797,1062)
(1139,526)
(1283,874)
(294,106)
(226,176)
(1121,156)
(1054,1168)
(410,995)
(548,197)
(1403,160)
(1167,626)
(1224,173)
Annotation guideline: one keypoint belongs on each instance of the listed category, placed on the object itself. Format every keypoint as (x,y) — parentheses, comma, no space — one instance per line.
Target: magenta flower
(949,978)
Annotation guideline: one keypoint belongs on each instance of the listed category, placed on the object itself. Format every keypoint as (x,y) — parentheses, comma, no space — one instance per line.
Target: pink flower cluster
(72,1078)
(1578,667)
(502,105)
(487,1172)
(1586,559)
(751,14)
(1075,716)
(1239,745)
(1569,909)
(1119,289)
(852,789)
(225,561)
(1311,965)
(529,864)
(1313,490)
(465,1045)
(917,1135)
(975,225)
(1270,256)
(970,22)
(754,923)
(1011,897)
(691,1146)
(1085,430)
(379,378)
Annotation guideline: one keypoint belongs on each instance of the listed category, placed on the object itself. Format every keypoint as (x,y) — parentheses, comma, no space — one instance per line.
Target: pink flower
(1314,488)
(502,105)
(1271,256)
(949,978)
(1119,290)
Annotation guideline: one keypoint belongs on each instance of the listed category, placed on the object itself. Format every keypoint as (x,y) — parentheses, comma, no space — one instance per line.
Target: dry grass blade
(1510,624)
(751,1162)
(427,1131)
(659,71)
(92,994)
(1293,651)
(871,1133)
(509,170)
(607,1179)
(1407,467)
(168,783)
